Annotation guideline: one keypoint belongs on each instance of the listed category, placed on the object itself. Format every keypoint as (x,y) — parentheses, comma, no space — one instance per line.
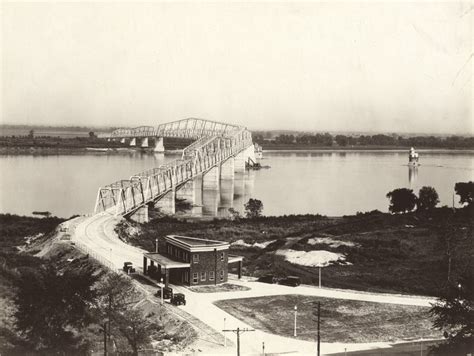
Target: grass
(341,320)
(404,253)
(226,287)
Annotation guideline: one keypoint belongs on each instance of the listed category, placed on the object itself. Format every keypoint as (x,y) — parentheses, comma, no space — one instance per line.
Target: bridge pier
(243,157)
(133,142)
(187,191)
(211,179)
(227,169)
(159,147)
(145,142)
(141,215)
(122,140)
(167,204)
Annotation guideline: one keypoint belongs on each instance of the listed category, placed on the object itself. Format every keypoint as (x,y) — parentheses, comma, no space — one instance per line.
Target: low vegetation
(64,302)
(345,321)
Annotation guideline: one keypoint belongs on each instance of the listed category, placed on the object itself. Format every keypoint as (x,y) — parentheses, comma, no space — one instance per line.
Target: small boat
(413,158)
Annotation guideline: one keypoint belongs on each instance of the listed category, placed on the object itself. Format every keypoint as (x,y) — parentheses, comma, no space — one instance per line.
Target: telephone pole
(319,324)
(238,331)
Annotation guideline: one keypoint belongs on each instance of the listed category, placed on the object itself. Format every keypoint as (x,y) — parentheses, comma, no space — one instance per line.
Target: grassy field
(390,253)
(341,320)
(226,287)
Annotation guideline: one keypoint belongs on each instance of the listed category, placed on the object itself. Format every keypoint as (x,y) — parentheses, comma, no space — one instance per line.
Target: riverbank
(314,148)
(376,252)
(55,151)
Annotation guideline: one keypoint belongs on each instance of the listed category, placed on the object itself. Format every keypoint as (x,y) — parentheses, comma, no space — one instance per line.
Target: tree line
(328,140)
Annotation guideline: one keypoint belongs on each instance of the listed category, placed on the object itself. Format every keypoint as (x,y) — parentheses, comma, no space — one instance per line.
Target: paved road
(97,234)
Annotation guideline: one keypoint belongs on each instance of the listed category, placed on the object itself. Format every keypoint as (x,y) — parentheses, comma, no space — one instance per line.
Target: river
(314,182)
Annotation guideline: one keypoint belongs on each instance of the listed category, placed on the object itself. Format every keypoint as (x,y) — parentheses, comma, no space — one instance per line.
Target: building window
(195,277)
(222,275)
(203,276)
(195,258)
(222,256)
(211,275)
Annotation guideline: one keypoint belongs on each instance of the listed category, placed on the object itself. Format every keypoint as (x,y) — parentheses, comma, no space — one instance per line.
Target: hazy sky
(403,67)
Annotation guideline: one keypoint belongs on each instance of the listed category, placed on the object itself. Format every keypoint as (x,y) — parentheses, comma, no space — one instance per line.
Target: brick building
(191,261)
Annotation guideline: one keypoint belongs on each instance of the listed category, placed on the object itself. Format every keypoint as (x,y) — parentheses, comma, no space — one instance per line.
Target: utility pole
(238,331)
(319,324)
(105,339)
(294,329)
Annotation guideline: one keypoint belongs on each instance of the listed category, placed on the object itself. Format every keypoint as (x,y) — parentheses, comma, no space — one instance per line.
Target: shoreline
(50,151)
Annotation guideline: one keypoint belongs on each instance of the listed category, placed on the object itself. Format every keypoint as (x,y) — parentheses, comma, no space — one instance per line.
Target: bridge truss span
(215,143)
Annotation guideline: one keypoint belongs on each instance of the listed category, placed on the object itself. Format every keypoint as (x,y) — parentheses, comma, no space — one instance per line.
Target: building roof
(196,245)
(165,261)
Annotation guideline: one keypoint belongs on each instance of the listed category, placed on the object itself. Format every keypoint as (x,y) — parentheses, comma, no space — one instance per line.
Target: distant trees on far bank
(328,140)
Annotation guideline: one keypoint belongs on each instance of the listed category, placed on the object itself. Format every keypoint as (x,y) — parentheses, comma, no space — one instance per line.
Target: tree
(401,200)
(253,208)
(52,305)
(465,190)
(427,198)
(92,134)
(454,315)
(115,294)
(234,215)
(31,133)
(135,328)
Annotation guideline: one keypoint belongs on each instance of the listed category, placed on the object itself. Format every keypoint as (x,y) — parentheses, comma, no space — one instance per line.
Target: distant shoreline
(22,150)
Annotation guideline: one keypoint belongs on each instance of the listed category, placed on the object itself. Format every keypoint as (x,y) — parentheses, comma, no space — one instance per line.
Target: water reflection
(412,175)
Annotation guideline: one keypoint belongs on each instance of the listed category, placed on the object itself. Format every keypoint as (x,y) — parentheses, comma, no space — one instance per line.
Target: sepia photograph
(253,177)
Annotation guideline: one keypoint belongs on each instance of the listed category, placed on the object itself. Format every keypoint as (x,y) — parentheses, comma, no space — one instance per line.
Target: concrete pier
(227,169)
(167,204)
(145,142)
(211,179)
(141,215)
(133,142)
(187,191)
(159,147)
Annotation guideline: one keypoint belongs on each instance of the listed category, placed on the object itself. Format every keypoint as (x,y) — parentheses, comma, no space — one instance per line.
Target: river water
(323,182)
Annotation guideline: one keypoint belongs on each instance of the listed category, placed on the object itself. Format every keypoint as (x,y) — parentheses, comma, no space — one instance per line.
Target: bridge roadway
(97,235)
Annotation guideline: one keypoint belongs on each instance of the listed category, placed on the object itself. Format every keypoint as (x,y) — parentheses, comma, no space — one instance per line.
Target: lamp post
(296,311)
(225,336)
(319,276)
(156,245)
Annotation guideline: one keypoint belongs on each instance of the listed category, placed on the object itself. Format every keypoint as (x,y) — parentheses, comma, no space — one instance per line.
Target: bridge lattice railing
(125,196)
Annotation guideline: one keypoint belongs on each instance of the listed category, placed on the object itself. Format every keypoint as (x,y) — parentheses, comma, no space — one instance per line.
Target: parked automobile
(291,281)
(178,299)
(268,278)
(167,293)
(128,267)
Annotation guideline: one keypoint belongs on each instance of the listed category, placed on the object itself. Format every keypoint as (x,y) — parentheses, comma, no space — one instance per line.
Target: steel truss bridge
(215,143)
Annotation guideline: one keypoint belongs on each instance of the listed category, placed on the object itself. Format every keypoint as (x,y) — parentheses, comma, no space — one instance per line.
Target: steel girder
(186,128)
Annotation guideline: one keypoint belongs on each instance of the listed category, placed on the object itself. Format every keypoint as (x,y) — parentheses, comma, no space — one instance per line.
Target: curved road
(96,236)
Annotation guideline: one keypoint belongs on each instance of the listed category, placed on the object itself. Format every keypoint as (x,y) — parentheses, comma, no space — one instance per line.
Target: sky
(311,66)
